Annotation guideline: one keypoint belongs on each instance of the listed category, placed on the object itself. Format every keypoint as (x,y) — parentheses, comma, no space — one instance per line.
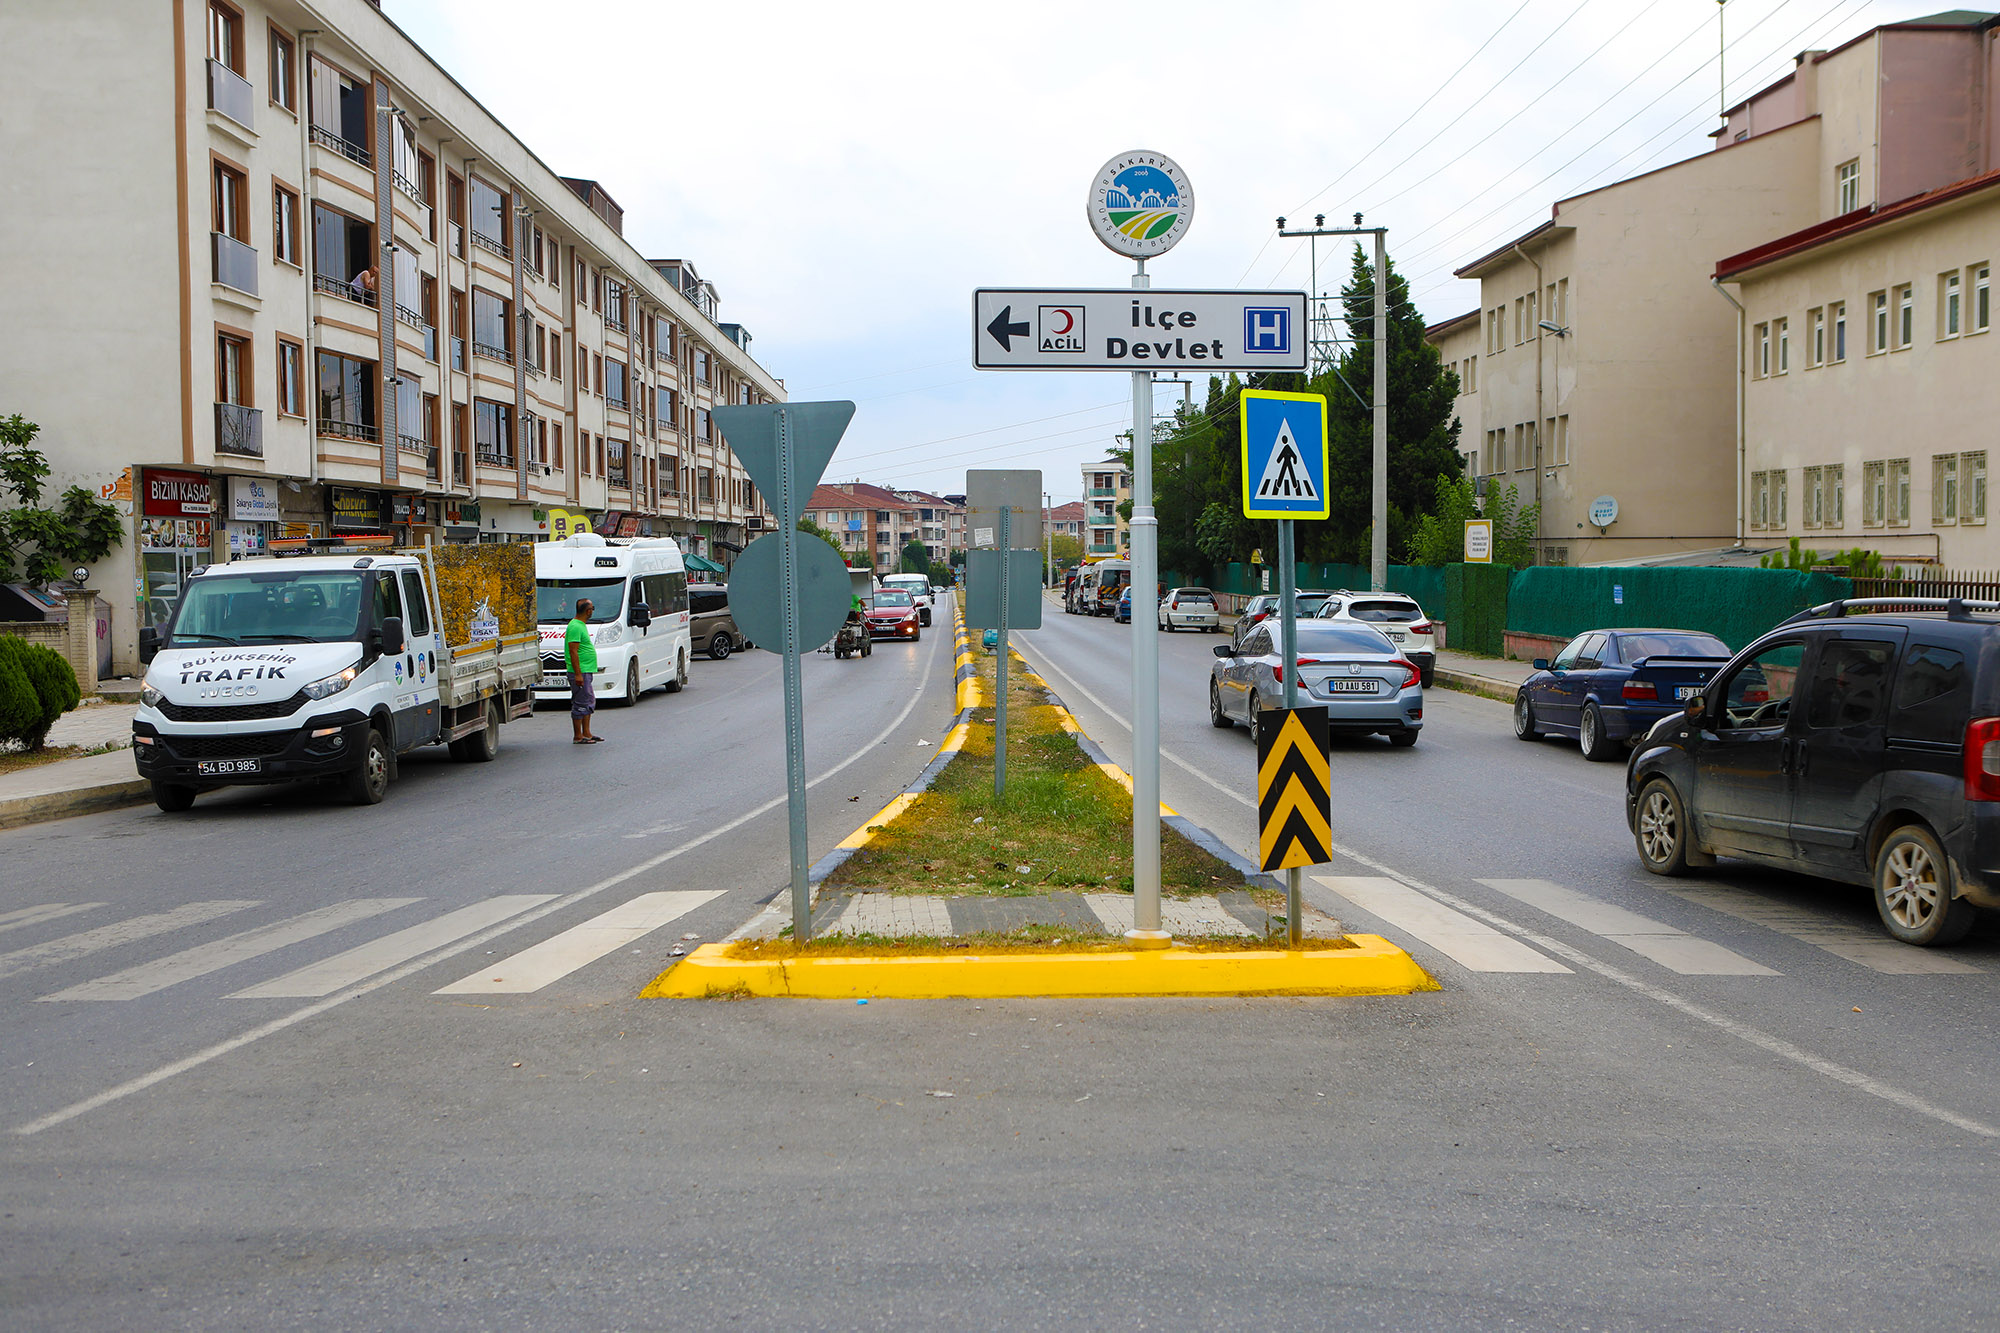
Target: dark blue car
(1608,686)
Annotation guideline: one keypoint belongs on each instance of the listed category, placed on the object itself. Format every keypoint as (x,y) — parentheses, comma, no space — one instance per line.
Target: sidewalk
(77,786)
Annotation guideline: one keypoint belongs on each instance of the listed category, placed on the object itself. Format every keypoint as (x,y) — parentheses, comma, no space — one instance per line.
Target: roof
(1851,224)
(1445,327)
(1066,513)
(1508,247)
(855,495)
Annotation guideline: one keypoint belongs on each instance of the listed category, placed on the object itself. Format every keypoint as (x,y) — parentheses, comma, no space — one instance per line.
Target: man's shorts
(582,695)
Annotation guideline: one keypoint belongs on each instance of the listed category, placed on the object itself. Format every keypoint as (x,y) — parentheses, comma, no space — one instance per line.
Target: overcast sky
(846,175)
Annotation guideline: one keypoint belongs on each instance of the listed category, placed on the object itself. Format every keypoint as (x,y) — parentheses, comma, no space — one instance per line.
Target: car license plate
(222,768)
(1681,691)
(551,682)
(1355,685)
(1395,634)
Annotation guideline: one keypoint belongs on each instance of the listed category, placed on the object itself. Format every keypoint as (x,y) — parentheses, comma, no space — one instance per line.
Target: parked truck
(329,660)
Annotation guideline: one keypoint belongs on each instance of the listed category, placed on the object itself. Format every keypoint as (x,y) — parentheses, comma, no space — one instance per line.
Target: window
(1899,492)
(1878,302)
(1780,518)
(600,455)
(1874,494)
(1758,694)
(1809,501)
(489,218)
(701,367)
(614,383)
(1839,309)
(597,366)
(284,90)
(1944,489)
(1820,503)
(404,171)
(1763,362)
(1906,311)
(343,249)
(1850,683)
(1847,184)
(1783,329)
(1972,487)
(493,432)
(454,207)
(285,226)
(346,396)
(232,369)
(1930,703)
(555,358)
(492,330)
(291,371)
(535,249)
(1816,346)
(614,455)
(614,304)
(559,446)
(1948,304)
(1982,307)
(225,36)
(416,604)
(340,112)
(1760,499)
(228,212)
(1520,320)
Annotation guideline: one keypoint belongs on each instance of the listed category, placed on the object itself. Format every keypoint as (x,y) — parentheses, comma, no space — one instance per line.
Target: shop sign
(608,525)
(118,492)
(563,523)
(253,500)
(356,509)
(411,509)
(172,494)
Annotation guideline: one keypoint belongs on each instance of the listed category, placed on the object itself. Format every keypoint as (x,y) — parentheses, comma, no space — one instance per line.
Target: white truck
(328,661)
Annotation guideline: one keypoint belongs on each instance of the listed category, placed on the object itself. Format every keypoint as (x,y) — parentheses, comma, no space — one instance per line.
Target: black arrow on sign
(1002,330)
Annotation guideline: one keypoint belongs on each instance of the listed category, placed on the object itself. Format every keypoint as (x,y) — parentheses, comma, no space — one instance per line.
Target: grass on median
(1063,819)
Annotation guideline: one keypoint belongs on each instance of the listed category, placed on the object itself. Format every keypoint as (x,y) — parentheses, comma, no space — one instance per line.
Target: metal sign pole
(1378,544)
(1145,932)
(1000,668)
(795,738)
(1288,656)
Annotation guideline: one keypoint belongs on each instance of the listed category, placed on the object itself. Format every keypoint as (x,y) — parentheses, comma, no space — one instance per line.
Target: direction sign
(1294,827)
(1123,328)
(1284,455)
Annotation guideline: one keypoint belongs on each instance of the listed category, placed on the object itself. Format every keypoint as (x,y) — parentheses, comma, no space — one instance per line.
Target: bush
(37,686)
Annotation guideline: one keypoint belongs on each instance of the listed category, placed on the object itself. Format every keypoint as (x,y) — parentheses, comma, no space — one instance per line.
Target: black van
(1856,744)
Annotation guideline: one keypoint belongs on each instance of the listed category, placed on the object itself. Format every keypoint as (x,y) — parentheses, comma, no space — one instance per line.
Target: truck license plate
(222,768)
(1355,685)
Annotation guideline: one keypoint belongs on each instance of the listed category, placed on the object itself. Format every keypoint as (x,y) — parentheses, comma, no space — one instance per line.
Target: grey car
(1362,680)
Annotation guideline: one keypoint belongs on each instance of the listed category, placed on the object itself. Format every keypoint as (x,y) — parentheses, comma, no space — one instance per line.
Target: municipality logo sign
(1140,204)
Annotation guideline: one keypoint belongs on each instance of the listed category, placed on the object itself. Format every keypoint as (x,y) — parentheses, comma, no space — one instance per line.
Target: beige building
(1106,485)
(1608,364)
(300,282)
(1872,394)
(1457,341)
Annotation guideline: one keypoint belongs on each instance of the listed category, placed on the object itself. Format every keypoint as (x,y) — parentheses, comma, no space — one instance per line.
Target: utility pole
(1378,544)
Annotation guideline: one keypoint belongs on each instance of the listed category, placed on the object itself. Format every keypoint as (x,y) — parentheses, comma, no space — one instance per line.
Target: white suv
(919,588)
(1395,615)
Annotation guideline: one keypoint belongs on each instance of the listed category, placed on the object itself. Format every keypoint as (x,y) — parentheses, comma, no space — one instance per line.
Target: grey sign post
(797,592)
(1003,506)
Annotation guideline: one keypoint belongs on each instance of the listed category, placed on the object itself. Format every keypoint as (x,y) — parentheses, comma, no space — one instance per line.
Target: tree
(1064,552)
(36,687)
(807,525)
(916,558)
(1438,538)
(79,530)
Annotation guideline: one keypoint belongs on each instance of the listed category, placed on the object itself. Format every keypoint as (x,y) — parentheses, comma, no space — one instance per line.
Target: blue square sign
(1267,329)
(1284,455)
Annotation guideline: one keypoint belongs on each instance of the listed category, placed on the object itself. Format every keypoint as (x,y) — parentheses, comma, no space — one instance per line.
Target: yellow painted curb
(1372,967)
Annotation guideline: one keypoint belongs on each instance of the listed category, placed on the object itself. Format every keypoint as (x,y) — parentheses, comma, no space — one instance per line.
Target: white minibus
(639,613)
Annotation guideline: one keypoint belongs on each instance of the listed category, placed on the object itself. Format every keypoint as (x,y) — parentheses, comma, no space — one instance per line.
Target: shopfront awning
(701,564)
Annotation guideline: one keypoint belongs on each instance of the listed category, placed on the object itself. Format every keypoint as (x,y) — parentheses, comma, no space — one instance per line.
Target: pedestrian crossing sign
(1284,454)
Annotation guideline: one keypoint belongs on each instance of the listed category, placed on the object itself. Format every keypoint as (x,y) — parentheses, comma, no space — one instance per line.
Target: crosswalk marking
(560,955)
(145,978)
(324,978)
(29,916)
(116,934)
(1865,945)
(1472,944)
(1671,948)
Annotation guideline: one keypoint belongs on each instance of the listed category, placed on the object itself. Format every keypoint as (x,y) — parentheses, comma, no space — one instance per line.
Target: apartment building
(1067,520)
(300,282)
(872,523)
(939,522)
(1608,360)
(1105,486)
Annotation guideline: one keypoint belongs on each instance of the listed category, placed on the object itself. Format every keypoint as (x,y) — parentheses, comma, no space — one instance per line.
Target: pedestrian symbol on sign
(1284,454)
(1285,476)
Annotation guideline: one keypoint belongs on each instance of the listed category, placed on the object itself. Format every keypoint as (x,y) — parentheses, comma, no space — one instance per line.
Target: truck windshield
(555,599)
(269,607)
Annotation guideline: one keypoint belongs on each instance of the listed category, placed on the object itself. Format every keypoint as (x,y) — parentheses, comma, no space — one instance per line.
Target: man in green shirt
(582,654)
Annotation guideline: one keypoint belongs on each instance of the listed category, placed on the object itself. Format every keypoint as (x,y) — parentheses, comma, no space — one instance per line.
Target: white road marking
(358,964)
(203,959)
(1673,949)
(1765,1041)
(558,956)
(1866,945)
(118,933)
(28,916)
(1473,945)
(262,1030)
(1201,915)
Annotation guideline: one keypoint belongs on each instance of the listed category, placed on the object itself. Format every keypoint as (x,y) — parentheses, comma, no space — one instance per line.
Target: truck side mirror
(149,643)
(392,635)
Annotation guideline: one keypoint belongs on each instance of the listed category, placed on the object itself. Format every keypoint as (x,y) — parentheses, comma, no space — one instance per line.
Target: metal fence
(1972,585)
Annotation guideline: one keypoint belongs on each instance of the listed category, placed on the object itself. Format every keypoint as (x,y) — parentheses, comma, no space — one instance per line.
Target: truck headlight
(150,696)
(333,684)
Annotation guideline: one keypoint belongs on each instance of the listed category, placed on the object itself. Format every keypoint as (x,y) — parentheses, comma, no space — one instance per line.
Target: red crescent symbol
(1069,322)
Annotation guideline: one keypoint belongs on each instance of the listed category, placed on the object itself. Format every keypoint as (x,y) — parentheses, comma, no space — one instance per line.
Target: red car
(892,614)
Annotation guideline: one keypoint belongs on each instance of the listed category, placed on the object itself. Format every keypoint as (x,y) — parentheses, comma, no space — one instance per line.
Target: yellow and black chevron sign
(1294,827)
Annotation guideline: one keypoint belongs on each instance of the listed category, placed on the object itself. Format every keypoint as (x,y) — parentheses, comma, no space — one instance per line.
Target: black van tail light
(1982,759)
(1639,689)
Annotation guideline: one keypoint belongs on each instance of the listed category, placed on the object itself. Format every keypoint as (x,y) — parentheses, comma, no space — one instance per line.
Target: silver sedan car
(1363,680)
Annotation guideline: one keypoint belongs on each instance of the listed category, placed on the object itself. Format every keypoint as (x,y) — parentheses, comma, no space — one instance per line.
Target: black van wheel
(171,797)
(1590,737)
(369,782)
(1662,831)
(1913,890)
(720,645)
(680,679)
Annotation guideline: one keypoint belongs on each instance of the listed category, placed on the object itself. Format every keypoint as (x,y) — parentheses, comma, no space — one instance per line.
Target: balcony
(416,446)
(353,152)
(615,400)
(485,242)
(492,353)
(235,263)
(1102,493)
(239,430)
(346,291)
(348,430)
(1104,548)
(493,457)
(407,186)
(409,317)
(231,94)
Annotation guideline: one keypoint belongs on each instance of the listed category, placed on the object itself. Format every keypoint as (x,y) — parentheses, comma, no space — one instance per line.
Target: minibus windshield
(555,599)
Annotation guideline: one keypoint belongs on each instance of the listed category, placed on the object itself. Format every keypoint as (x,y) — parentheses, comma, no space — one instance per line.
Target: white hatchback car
(1393,614)
(1189,608)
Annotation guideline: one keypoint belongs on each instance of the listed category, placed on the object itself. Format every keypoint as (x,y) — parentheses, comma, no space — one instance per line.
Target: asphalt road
(1617,1144)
